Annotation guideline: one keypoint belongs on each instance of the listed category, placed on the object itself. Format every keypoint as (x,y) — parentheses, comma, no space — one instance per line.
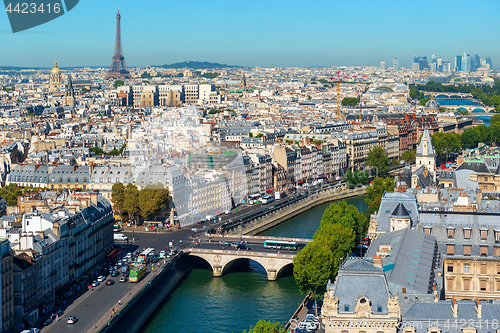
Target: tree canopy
(10,192)
(147,202)
(265,326)
(350,101)
(117,197)
(343,214)
(356,178)
(408,156)
(118,83)
(151,201)
(320,259)
(470,138)
(374,193)
(131,200)
(377,158)
(446,144)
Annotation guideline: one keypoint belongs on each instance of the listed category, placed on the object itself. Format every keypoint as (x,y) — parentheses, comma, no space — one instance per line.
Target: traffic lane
(159,241)
(91,308)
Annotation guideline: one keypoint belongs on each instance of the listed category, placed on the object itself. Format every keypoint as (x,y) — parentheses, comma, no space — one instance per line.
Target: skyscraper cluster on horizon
(463,63)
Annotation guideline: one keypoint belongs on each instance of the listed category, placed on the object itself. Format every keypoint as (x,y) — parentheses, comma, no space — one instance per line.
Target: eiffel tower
(118,70)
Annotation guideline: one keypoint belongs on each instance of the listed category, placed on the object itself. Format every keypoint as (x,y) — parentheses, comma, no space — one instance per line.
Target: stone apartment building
(26,300)
(286,157)
(62,240)
(358,145)
(7,284)
(210,195)
(470,246)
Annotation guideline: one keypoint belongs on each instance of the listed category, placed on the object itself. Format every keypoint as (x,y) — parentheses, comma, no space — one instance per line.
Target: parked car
(95,283)
(162,254)
(110,282)
(71,320)
(115,273)
(123,279)
(47,322)
(101,278)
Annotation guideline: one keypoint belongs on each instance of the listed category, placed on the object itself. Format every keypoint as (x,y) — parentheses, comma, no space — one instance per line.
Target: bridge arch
(441,96)
(284,269)
(221,260)
(479,110)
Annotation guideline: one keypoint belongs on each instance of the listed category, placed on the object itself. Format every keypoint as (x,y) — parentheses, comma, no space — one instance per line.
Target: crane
(338,94)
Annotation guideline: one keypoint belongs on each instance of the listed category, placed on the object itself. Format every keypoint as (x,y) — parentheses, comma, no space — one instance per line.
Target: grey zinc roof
(423,316)
(362,281)
(424,178)
(389,202)
(459,219)
(463,180)
(409,263)
(477,166)
(70,174)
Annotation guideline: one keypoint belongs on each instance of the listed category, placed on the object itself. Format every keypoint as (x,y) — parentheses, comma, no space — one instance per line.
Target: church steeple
(426,155)
(69,94)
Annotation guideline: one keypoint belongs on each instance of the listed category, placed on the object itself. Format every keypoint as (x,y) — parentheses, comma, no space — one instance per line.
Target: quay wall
(275,218)
(135,313)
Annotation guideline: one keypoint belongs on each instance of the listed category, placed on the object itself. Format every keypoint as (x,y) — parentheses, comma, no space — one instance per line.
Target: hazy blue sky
(259,33)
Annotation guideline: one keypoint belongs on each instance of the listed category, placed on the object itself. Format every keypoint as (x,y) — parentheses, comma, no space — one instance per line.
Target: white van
(120,237)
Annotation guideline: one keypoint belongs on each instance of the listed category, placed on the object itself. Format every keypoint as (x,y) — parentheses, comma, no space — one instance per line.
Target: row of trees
(319,261)
(447,144)
(128,200)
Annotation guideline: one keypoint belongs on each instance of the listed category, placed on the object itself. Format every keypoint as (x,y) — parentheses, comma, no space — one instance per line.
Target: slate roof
(400,211)
(68,174)
(423,180)
(389,202)
(358,277)
(462,179)
(474,165)
(409,263)
(423,316)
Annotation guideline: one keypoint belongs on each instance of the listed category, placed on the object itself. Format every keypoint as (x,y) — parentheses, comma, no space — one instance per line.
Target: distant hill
(197,65)
(14,68)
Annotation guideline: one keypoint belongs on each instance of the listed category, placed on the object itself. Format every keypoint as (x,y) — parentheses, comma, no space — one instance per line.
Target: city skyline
(258,34)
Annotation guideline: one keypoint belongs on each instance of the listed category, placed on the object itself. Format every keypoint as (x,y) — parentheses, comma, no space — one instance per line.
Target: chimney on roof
(478,307)
(454,307)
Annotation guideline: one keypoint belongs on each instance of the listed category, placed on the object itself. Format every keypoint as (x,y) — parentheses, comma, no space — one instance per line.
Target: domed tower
(55,78)
(432,106)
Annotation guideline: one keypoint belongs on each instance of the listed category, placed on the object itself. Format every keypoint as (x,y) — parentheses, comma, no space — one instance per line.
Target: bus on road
(267,199)
(253,198)
(145,255)
(280,245)
(137,273)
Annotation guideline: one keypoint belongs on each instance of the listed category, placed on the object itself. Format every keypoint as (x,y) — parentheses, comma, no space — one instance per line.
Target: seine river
(237,300)
(460,101)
